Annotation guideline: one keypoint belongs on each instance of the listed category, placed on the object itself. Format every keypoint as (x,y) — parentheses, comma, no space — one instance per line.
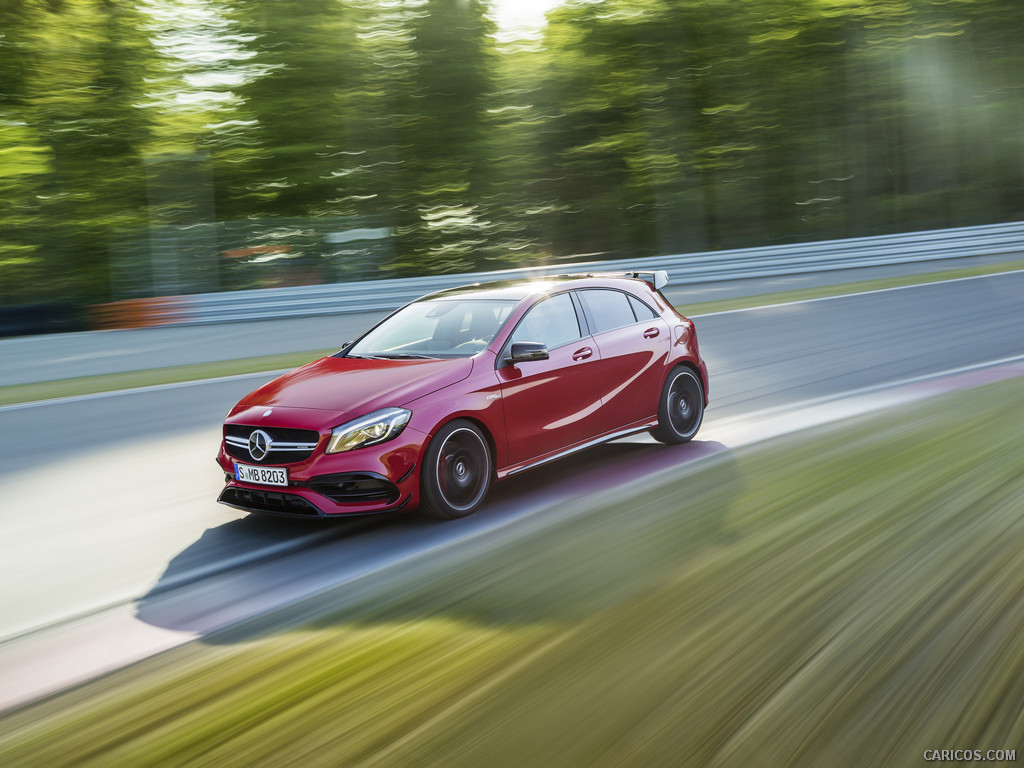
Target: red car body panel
(594,388)
(364,383)
(550,402)
(632,366)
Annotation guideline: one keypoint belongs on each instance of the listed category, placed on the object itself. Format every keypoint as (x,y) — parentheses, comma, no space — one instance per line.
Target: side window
(552,322)
(609,309)
(642,311)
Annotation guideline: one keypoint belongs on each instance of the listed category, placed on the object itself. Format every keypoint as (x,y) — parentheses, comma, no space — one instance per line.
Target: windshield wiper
(405,356)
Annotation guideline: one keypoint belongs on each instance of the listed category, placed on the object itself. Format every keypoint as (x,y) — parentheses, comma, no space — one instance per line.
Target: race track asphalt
(109,501)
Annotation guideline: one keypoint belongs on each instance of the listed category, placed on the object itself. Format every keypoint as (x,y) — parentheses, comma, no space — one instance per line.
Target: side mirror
(524,351)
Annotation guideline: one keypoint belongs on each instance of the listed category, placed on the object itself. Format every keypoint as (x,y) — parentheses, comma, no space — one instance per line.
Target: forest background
(176,146)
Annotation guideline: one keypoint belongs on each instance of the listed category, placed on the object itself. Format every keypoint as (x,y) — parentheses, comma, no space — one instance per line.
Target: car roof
(517,290)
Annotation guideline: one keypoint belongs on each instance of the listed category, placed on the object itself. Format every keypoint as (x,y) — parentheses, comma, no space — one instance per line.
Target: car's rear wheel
(681,408)
(456,472)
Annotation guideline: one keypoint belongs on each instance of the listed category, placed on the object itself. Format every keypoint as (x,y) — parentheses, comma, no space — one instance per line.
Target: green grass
(108,382)
(848,596)
(87,385)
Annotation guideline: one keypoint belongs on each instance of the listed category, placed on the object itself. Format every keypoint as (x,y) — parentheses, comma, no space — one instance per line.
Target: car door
(634,342)
(550,404)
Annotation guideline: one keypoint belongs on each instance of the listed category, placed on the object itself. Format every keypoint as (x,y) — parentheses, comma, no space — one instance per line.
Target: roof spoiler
(658,278)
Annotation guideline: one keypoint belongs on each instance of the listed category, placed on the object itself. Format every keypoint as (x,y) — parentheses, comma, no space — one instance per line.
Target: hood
(356,386)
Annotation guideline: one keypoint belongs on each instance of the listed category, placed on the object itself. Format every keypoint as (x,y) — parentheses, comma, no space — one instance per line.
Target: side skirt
(515,470)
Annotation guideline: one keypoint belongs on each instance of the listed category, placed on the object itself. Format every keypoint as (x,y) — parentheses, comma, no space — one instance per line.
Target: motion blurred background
(180,146)
(810,583)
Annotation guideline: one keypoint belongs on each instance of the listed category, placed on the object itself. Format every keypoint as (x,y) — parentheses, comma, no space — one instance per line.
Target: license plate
(261,475)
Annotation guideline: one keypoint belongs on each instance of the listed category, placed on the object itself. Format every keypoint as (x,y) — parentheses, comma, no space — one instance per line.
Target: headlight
(377,427)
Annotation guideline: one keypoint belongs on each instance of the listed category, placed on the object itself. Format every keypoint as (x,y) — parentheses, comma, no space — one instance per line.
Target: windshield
(450,327)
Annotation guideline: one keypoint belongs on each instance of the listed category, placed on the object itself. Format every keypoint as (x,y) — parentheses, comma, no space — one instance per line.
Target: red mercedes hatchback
(462,388)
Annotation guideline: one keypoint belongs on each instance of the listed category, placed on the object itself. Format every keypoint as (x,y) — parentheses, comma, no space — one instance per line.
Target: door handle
(582,354)
(650,333)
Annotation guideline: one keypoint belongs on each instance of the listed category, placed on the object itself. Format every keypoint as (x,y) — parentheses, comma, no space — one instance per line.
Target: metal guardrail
(713,266)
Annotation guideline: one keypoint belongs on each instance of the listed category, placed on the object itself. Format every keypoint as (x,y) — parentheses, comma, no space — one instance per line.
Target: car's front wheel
(681,408)
(456,472)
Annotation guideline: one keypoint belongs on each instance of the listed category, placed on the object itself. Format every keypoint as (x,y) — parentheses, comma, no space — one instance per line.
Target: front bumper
(357,493)
(377,479)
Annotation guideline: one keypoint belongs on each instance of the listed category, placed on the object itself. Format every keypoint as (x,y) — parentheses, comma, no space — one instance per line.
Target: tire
(681,407)
(457,471)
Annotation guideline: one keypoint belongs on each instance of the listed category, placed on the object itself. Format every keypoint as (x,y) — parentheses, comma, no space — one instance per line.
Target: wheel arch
(686,362)
(484,429)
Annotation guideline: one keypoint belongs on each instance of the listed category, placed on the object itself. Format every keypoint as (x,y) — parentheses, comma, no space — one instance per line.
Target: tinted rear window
(643,312)
(609,309)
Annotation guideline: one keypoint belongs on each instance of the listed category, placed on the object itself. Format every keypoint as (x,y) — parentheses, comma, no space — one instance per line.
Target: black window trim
(582,315)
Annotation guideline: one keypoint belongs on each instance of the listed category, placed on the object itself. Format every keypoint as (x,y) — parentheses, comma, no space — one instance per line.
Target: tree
(76,134)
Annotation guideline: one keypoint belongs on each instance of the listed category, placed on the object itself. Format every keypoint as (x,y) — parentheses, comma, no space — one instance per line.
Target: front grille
(268,501)
(355,487)
(287,446)
(284,434)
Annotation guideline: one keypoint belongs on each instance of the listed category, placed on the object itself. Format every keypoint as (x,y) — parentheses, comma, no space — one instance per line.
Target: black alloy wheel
(681,408)
(457,471)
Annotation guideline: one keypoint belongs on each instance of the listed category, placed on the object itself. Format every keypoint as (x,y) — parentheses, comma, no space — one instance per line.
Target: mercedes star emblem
(259,445)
